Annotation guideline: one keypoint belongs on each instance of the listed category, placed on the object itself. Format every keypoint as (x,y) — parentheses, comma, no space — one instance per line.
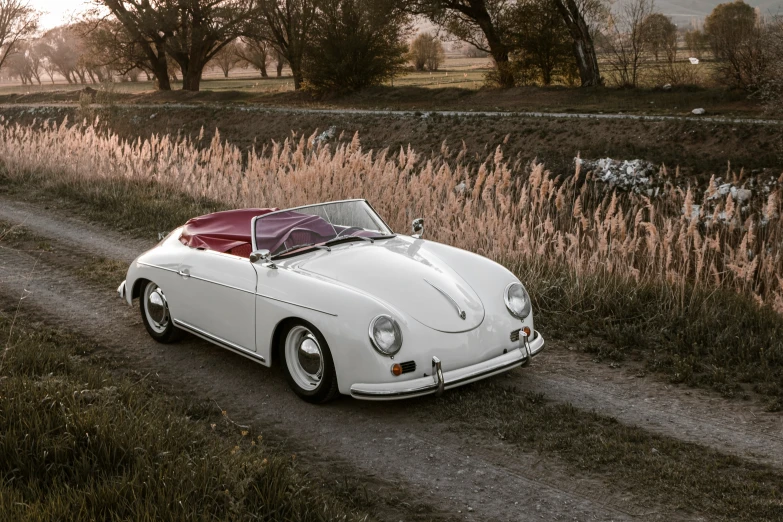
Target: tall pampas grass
(506,211)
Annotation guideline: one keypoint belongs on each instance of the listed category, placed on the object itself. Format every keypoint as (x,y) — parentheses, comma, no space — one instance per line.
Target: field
(460,84)
(659,290)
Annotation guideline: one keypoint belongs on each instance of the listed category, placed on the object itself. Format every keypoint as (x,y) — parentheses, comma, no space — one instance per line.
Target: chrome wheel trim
(304,358)
(156,309)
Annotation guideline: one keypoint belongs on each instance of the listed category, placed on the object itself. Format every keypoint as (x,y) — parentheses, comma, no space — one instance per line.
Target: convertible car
(340,301)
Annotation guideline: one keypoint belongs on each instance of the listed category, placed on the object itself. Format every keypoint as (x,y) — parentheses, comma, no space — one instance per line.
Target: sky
(60,11)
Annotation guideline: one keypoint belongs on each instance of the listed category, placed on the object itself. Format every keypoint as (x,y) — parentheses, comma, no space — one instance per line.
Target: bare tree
(203,28)
(695,42)
(543,41)
(227,58)
(488,25)
(61,48)
(660,34)
(772,86)
(256,53)
(288,24)
(109,46)
(426,51)
(577,14)
(148,24)
(483,24)
(25,64)
(18,21)
(626,42)
(280,63)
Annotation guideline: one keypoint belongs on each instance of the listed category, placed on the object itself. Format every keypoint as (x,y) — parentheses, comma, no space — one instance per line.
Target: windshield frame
(256,218)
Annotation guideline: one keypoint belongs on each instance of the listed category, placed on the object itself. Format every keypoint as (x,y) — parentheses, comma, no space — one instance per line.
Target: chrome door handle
(185,273)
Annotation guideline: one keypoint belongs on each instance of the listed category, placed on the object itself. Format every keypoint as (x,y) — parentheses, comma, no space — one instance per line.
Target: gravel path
(423,114)
(734,427)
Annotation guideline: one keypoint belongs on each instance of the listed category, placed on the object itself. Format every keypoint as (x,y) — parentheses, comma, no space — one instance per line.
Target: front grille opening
(408,366)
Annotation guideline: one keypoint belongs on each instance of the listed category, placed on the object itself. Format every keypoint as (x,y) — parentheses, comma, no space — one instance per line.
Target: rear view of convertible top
(227,231)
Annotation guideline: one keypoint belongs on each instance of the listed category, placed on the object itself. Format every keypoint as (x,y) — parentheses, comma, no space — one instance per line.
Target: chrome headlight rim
(397,335)
(526,310)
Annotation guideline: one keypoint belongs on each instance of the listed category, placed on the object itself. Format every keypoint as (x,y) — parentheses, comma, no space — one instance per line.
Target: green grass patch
(700,337)
(673,473)
(78,443)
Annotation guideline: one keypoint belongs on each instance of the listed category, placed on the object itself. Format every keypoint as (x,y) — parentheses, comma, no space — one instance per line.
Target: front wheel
(308,363)
(155,314)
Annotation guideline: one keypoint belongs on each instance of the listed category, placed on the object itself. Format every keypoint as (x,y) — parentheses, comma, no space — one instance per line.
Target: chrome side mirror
(264,256)
(418,227)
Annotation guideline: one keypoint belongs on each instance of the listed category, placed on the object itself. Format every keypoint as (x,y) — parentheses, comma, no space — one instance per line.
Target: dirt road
(423,114)
(396,448)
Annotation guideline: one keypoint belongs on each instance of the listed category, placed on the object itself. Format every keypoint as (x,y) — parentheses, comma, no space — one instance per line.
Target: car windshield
(317,225)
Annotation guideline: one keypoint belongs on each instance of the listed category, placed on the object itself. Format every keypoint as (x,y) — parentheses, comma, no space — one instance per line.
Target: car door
(217,299)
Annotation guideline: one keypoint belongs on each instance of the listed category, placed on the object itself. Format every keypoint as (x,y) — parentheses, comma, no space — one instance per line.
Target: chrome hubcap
(156,307)
(304,357)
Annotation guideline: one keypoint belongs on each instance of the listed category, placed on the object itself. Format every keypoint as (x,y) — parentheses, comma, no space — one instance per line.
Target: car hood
(403,273)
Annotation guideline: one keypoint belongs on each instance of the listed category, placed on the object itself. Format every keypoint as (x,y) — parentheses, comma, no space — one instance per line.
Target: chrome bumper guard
(121,291)
(440,381)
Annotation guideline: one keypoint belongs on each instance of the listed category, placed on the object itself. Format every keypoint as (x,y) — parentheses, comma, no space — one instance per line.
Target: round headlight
(517,300)
(385,335)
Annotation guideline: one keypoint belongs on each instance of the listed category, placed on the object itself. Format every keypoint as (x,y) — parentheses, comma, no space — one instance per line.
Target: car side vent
(409,366)
(515,335)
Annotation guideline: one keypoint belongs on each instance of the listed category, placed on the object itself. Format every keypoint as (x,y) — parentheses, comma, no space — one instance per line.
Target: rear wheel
(155,314)
(308,363)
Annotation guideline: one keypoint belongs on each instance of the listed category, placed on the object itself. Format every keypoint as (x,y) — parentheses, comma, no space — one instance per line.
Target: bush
(426,52)
(355,44)
(738,40)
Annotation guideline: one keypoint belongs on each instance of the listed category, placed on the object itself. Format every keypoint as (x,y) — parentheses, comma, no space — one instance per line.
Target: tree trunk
(497,48)
(160,68)
(191,79)
(296,72)
(584,48)
(264,74)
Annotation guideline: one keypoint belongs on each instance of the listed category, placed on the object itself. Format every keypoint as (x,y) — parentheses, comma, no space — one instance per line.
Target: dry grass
(502,211)
(670,262)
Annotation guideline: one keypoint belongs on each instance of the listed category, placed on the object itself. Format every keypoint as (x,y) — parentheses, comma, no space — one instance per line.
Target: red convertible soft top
(227,231)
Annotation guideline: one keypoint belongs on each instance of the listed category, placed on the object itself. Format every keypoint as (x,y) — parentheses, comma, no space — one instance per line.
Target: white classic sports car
(343,303)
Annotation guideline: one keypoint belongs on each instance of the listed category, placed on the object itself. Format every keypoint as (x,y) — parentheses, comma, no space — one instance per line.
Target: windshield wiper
(345,239)
(300,247)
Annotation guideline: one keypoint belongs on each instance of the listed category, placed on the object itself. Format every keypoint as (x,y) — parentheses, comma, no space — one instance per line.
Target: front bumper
(440,381)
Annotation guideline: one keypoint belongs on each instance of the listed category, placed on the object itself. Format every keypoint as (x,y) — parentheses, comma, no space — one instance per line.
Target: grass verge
(78,443)
(700,337)
(678,474)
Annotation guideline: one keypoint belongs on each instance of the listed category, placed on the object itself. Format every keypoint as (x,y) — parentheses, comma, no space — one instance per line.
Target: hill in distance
(685,11)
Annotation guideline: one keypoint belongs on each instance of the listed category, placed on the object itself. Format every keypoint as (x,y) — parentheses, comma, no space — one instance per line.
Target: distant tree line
(345,45)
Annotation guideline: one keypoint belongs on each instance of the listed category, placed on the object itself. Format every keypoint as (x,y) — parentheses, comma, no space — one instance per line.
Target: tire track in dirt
(732,427)
(466,478)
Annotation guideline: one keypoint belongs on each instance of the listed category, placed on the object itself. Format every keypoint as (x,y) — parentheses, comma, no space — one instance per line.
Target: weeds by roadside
(704,337)
(79,443)
(655,467)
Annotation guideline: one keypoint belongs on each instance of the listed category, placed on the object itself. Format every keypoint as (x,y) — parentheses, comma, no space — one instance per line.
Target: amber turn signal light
(526,329)
(396,370)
